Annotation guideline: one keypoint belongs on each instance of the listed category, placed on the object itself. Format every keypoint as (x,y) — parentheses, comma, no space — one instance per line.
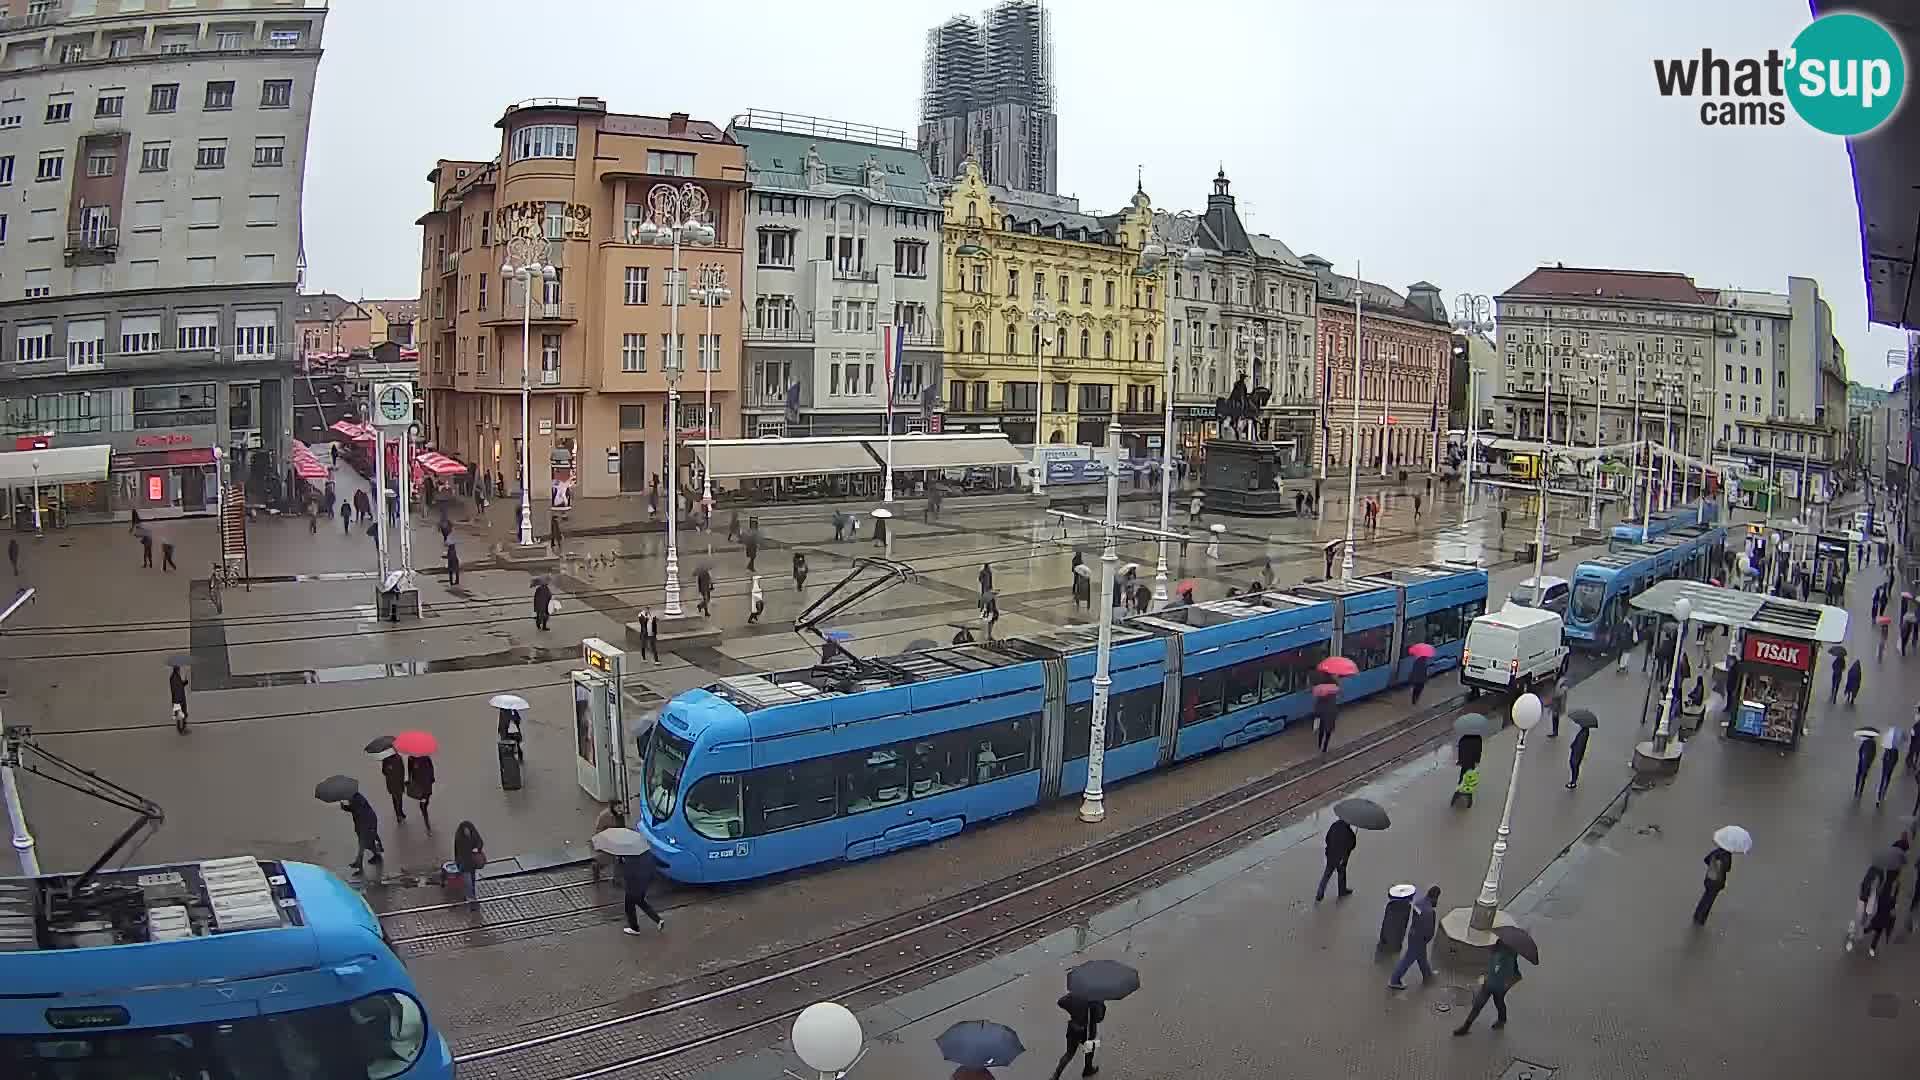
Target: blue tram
(759,774)
(1597,610)
(1629,533)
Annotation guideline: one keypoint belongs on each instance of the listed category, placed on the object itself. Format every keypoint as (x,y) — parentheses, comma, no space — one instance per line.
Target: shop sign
(171,438)
(1779,652)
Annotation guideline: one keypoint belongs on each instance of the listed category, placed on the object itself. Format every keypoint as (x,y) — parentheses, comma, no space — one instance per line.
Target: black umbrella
(1890,859)
(1584,717)
(179,660)
(336,789)
(1102,980)
(980,1044)
(1362,814)
(1519,941)
(379,743)
(1838,652)
(921,644)
(1473,723)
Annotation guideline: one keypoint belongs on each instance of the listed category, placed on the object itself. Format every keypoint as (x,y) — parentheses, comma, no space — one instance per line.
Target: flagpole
(893,372)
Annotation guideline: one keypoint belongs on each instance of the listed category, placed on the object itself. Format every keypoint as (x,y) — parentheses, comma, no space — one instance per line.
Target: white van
(1513,649)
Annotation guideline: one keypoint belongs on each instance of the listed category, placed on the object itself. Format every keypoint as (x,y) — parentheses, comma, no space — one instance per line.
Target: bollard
(1393,922)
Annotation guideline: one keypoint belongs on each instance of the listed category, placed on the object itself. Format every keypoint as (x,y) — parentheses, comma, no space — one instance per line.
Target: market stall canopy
(356,432)
(744,458)
(1749,611)
(439,464)
(59,465)
(947,451)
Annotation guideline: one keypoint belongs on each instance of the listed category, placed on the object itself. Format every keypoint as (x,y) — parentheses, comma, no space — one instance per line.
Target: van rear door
(1489,650)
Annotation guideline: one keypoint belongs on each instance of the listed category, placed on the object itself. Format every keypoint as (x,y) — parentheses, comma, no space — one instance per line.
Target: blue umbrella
(980,1044)
(839,635)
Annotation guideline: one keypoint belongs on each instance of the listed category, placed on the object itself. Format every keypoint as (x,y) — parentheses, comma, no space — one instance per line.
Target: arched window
(1086,344)
(1106,346)
(1176,380)
(1012,342)
(1213,377)
(1193,380)
(1136,349)
(973,209)
(979,337)
(1036,339)
(1149,348)
(1060,342)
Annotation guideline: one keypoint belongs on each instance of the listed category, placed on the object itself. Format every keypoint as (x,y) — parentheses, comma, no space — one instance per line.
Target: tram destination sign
(1779,652)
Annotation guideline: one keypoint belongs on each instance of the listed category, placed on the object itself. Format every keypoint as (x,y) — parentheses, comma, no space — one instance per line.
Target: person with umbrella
(1886,906)
(1503,970)
(510,722)
(636,876)
(1341,840)
(1881,621)
(1083,1025)
(1467,752)
(469,857)
(1419,934)
(177,691)
(542,603)
(366,833)
(1577,750)
(1890,741)
(978,1046)
(420,779)
(1719,863)
(1422,655)
(610,817)
(393,769)
(1082,585)
(1869,740)
(756,601)
(1326,712)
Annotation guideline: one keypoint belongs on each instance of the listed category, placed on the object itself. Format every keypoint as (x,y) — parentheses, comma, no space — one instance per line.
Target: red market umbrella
(439,464)
(1325,689)
(414,743)
(308,467)
(1421,648)
(1339,666)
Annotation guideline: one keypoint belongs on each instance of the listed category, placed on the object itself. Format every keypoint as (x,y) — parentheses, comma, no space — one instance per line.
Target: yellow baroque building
(1050,325)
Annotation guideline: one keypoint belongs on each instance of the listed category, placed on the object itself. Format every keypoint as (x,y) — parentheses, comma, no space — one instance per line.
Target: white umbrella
(508,701)
(620,841)
(1733,838)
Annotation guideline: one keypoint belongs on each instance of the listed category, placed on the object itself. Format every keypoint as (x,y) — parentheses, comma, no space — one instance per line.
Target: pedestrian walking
(609,817)
(453,565)
(469,857)
(753,549)
(992,613)
(555,537)
(542,604)
(346,527)
(839,525)
(1418,678)
(1341,840)
(177,695)
(799,572)
(1577,753)
(1326,714)
(1082,591)
(986,583)
(649,633)
(756,601)
(366,834)
(1863,908)
(13,554)
(879,531)
(1557,705)
(636,874)
(1466,753)
(1890,743)
(1863,766)
(1719,865)
(703,581)
(1503,970)
(1420,930)
(167,565)
(1909,628)
(733,526)
(1503,518)
(1213,543)
(1083,1030)
(1142,599)
(1880,654)
(146,549)
(393,769)
(1886,907)
(446,527)
(420,787)
(1416,506)
(1839,675)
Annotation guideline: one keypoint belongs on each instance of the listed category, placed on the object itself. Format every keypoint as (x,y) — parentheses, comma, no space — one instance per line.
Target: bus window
(1139,717)
(1200,697)
(870,779)
(1079,736)
(1004,749)
(1369,648)
(939,764)
(783,796)
(666,758)
(1243,685)
(713,806)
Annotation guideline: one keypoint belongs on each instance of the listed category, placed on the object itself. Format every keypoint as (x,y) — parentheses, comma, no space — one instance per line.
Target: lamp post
(1041,314)
(1473,413)
(1170,250)
(676,216)
(1486,907)
(711,291)
(1386,396)
(524,263)
(1660,755)
(1353,452)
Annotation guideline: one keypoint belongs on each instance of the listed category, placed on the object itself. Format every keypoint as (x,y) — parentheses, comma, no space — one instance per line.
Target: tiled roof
(1660,286)
(328,307)
(1266,247)
(1337,290)
(777,161)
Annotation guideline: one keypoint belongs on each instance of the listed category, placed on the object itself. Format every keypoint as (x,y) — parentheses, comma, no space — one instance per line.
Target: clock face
(395,404)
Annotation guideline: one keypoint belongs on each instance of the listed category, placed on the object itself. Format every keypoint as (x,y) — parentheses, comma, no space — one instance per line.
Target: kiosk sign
(1762,649)
(393,405)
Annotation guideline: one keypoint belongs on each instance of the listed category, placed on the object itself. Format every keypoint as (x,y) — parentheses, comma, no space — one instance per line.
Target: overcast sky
(1460,141)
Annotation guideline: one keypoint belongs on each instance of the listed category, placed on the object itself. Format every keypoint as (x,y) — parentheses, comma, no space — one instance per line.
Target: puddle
(517,656)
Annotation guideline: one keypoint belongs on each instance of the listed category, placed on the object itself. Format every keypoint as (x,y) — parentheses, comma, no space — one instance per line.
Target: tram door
(1053,733)
(1170,698)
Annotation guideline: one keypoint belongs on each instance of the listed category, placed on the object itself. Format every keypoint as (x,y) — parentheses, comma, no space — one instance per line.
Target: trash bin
(509,765)
(1393,923)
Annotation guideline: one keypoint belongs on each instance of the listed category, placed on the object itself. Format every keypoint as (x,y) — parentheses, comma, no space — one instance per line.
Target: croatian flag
(892,342)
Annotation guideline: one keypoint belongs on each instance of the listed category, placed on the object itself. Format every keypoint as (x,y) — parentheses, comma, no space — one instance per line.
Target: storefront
(1771,687)
(164,483)
(67,484)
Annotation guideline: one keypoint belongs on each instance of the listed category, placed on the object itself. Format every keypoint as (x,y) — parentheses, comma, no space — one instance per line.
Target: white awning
(1749,611)
(743,458)
(59,465)
(912,452)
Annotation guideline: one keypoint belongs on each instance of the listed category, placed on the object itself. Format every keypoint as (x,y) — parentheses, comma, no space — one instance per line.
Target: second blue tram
(1597,608)
(1628,533)
(760,774)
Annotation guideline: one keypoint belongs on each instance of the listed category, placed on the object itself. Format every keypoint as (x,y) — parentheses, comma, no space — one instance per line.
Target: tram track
(654,1033)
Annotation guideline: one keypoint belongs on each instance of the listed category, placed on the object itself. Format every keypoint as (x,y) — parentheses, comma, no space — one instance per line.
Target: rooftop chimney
(677,124)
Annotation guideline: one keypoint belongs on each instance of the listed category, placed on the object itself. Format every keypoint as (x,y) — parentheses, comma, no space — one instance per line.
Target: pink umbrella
(1325,689)
(414,743)
(1421,648)
(1884,620)
(1339,666)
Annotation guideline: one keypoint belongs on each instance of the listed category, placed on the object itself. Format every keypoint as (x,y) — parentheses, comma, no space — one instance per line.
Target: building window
(545,141)
(228,40)
(99,163)
(1086,292)
(776,247)
(219,95)
(139,334)
(163,98)
(636,285)
(910,260)
(283,39)
(566,410)
(709,352)
(668,163)
(33,343)
(255,338)
(84,340)
(979,337)
(197,333)
(52,166)
(633,352)
(1086,345)
(1109,294)
(212,154)
(154,156)
(556,221)
(112,104)
(549,357)
(1106,345)
(480,296)
(59,110)
(480,354)
(1011,342)
(1013,283)
(269,152)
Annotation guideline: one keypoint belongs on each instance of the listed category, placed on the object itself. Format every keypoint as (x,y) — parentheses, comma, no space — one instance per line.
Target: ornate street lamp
(712,292)
(526,264)
(1475,926)
(1170,250)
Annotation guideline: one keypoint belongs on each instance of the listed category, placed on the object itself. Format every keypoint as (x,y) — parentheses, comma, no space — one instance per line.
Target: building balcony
(866,275)
(515,310)
(778,335)
(100,242)
(449,262)
(926,337)
(156,360)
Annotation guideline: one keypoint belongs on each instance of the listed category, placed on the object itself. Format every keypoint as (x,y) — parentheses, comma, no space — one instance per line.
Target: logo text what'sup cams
(1844,75)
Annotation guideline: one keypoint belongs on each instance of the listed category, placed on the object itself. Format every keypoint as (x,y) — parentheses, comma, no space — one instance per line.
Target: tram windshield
(666,760)
(1587,598)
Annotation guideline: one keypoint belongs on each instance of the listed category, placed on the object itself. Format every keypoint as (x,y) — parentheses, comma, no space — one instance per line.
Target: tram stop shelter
(776,459)
(1774,646)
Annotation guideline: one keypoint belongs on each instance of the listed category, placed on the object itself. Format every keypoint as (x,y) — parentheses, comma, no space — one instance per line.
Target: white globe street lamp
(524,264)
(1168,252)
(712,292)
(1486,908)
(828,1039)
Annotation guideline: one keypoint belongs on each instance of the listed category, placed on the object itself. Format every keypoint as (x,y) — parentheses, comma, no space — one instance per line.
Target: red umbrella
(1420,648)
(1325,689)
(1339,666)
(414,743)
(1190,584)
(1884,620)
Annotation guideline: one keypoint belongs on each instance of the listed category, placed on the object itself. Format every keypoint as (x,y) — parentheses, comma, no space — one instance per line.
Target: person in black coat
(366,831)
(1839,673)
(1719,866)
(1853,682)
(1418,679)
(649,624)
(636,874)
(1467,751)
(453,565)
(542,604)
(393,769)
(1341,841)
(986,583)
(1326,714)
(470,855)
(420,786)
(1577,753)
(703,581)
(177,693)
(1083,1029)
(1864,768)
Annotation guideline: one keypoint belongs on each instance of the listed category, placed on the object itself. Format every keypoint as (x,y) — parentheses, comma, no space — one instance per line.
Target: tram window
(1138,715)
(1243,684)
(870,779)
(1420,626)
(1200,697)
(939,764)
(1275,677)
(713,806)
(1079,737)
(783,796)
(1004,749)
(1369,648)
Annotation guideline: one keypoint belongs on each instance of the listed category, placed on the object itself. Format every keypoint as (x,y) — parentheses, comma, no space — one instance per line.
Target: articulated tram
(1597,611)
(1628,533)
(759,774)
